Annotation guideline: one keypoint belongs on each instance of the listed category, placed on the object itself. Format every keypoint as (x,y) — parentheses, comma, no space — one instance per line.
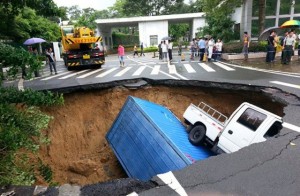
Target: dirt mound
(79,152)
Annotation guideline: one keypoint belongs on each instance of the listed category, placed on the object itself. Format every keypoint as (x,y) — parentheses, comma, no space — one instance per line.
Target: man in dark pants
(142,49)
(270,48)
(202,45)
(289,44)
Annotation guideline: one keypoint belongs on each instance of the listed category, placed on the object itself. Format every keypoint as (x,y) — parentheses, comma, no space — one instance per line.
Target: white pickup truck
(248,124)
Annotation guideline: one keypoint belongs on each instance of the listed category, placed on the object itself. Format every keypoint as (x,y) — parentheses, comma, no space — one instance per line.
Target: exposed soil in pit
(79,152)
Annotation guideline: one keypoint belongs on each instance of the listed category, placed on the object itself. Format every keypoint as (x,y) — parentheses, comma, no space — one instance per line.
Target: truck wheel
(189,128)
(197,135)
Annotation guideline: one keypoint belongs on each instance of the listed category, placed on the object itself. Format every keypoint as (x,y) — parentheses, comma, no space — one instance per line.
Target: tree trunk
(261,15)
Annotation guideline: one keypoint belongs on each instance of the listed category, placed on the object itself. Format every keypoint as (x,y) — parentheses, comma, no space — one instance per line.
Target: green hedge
(124,39)
(237,47)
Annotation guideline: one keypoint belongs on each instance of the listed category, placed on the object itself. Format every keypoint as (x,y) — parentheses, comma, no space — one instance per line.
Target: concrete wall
(237,15)
(196,24)
(147,29)
(106,34)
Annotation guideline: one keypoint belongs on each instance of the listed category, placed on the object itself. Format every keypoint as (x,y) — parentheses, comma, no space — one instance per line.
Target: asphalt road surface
(269,168)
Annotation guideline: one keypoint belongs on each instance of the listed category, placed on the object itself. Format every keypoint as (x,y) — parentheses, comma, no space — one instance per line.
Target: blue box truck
(148,139)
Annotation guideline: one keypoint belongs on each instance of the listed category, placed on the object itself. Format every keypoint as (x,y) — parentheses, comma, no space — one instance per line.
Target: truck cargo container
(148,139)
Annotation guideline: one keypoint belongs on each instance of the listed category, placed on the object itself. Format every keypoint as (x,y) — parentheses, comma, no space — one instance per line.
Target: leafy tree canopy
(149,8)
(43,7)
(218,17)
(27,24)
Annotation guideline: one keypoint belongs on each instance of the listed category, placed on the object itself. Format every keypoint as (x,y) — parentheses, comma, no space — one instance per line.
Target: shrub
(237,47)
(16,59)
(21,125)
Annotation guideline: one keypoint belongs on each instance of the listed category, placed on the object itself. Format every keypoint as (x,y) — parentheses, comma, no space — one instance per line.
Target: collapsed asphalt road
(269,168)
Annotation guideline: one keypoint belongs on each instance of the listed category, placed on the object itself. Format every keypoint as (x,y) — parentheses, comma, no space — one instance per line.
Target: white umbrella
(34,40)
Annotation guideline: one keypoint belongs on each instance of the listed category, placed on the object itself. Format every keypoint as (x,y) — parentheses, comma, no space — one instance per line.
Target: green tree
(74,12)
(148,8)
(178,30)
(27,24)
(218,17)
(43,7)
(16,59)
(118,9)
(87,18)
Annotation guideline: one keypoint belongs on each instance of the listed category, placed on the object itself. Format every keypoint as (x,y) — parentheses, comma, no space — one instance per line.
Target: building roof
(135,20)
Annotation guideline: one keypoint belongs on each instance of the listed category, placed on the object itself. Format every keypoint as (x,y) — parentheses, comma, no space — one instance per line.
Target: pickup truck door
(241,130)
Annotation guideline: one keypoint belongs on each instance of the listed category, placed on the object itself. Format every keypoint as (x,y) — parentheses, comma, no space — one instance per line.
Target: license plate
(86,56)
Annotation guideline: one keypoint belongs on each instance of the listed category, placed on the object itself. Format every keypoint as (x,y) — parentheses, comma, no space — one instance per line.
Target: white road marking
(122,72)
(295,75)
(150,63)
(189,68)
(133,194)
(155,70)
(170,180)
(291,127)
(172,69)
(206,67)
(286,84)
(106,73)
(139,71)
(90,73)
(73,74)
(162,63)
(57,75)
(224,66)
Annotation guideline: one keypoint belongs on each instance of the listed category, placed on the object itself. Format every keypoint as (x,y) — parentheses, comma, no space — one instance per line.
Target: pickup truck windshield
(252,119)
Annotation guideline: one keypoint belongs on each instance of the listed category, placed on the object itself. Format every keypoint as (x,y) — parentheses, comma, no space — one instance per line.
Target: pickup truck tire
(189,128)
(197,135)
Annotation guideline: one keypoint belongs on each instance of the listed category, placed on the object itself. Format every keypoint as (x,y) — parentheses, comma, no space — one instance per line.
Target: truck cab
(248,124)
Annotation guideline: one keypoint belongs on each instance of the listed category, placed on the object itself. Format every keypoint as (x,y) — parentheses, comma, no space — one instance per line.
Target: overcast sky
(96,4)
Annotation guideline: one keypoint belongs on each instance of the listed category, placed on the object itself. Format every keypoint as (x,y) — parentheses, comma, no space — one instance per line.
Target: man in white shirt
(289,44)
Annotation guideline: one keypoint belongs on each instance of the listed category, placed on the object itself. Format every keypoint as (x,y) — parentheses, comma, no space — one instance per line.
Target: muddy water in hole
(79,152)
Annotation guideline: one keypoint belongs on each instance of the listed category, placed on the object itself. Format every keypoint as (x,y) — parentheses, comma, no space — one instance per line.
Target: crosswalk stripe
(170,180)
(189,68)
(139,71)
(286,84)
(73,74)
(55,76)
(224,66)
(90,73)
(206,67)
(106,72)
(155,70)
(172,69)
(122,72)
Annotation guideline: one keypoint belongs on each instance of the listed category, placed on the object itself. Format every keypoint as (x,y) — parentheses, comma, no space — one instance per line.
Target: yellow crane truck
(78,50)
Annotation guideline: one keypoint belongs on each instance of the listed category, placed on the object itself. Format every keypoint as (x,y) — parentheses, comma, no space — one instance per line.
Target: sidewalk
(293,67)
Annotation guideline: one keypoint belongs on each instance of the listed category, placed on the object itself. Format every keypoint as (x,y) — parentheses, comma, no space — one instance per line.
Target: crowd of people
(165,49)
(287,43)
(206,48)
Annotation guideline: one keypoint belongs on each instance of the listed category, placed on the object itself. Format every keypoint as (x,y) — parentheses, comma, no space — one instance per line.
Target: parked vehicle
(248,124)
(78,50)
(148,139)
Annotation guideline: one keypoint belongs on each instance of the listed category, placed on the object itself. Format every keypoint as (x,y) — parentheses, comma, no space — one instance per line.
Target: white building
(277,12)
(151,28)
